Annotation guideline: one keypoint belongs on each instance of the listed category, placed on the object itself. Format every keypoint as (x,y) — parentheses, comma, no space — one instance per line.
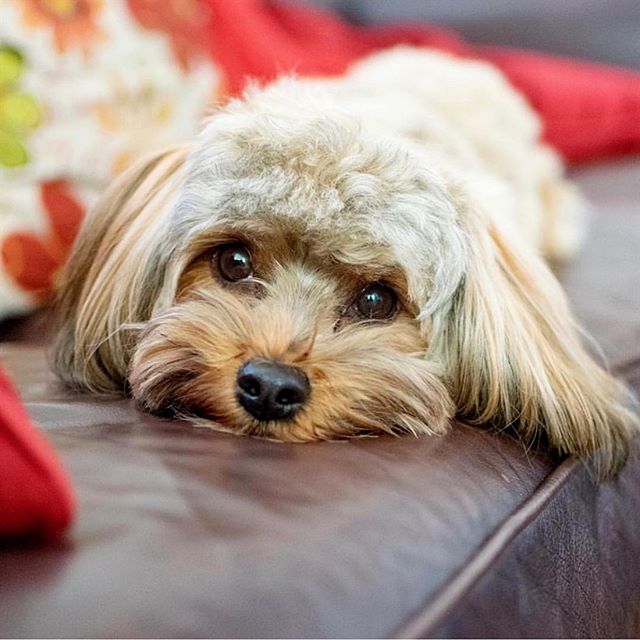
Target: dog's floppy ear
(514,355)
(116,272)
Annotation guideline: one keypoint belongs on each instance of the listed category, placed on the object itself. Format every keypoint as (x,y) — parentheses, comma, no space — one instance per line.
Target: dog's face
(270,335)
(302,275)
(299,277)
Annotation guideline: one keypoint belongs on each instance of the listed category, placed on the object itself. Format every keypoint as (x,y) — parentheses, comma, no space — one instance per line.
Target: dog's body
(338,257)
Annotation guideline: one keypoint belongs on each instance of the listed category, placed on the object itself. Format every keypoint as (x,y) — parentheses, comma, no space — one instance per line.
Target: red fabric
(35,496)
(32,258)
(590,111)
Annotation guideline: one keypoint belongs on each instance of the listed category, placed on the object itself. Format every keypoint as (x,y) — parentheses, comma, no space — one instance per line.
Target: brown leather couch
(185,532)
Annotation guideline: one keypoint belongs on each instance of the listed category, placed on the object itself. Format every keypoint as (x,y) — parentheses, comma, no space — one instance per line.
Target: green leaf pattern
(20,114)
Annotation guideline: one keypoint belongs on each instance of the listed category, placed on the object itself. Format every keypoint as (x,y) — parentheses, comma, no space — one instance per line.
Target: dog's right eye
(234,262)
(377,302)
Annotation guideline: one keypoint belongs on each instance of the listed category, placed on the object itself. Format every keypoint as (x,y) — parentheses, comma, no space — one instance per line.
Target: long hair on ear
(514,356)
(115,274)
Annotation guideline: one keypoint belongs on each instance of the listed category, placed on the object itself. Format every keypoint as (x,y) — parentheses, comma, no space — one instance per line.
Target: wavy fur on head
(416,170)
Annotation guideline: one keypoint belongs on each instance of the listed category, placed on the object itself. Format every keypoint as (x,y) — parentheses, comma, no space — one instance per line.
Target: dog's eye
(377,302)
(234,262)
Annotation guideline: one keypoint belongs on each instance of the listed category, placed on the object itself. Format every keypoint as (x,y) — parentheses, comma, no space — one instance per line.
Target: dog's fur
(415,169)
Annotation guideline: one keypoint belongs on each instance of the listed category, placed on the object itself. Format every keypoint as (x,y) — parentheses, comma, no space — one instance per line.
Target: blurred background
(599,30)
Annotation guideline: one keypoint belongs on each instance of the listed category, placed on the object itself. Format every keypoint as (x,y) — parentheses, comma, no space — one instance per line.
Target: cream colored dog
(340,257)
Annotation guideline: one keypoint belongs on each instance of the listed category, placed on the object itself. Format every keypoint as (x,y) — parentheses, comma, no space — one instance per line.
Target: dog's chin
(187,359)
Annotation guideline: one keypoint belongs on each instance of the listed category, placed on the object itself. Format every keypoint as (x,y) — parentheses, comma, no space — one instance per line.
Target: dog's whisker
(94,350)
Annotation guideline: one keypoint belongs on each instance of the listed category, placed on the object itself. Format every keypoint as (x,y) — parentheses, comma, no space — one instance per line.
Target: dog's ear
(514,357)
(116,273)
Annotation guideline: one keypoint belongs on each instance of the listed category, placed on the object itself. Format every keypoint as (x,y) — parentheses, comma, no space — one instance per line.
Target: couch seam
(448,596)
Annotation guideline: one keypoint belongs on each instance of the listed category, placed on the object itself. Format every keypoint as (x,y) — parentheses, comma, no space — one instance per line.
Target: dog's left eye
(234,262)
(377,302)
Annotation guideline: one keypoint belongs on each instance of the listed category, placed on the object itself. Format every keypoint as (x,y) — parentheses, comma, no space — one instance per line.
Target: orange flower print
(32,259)
(73,22)
(135,115)
(183,21)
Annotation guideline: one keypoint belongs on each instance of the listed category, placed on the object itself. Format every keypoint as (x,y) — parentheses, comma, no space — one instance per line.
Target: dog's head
(298,276)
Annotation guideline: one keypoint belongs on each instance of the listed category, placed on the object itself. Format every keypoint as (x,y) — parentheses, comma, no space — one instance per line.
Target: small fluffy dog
(342,257)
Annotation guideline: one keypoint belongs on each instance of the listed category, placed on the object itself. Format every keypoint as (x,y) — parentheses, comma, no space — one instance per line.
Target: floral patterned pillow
(86,86)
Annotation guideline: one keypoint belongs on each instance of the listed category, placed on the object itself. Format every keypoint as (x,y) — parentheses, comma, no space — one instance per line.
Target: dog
(343,257)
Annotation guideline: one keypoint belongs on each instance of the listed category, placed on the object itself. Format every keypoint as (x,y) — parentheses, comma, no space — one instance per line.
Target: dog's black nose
(271,391)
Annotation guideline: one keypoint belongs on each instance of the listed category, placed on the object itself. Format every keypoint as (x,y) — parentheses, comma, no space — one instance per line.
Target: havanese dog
(342,257)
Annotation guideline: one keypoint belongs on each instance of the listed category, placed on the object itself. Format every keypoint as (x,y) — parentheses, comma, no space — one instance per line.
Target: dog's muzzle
(270,390)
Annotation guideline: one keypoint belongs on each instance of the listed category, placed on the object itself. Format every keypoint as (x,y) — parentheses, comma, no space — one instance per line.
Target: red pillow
(35,495)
